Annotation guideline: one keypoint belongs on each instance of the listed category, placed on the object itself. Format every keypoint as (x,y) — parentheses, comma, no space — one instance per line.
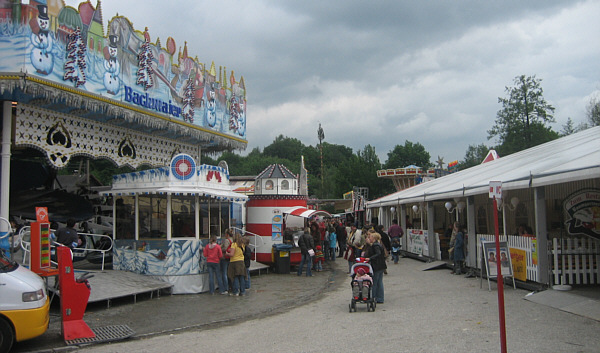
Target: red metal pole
(500,282)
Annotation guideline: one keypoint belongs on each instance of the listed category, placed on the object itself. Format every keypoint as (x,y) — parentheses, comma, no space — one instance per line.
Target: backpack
(247,256)
(225,245)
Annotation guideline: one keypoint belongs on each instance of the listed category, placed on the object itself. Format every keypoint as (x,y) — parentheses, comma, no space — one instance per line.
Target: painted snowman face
(211,101)
(44,24)
(112,52)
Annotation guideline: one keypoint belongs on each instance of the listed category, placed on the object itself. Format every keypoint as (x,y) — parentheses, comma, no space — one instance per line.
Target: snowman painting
(111,66)
(241,121)
(211,109)
(237,115)
(41,55)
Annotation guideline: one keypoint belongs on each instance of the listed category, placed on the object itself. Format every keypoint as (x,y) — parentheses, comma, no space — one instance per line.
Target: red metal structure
(74,295)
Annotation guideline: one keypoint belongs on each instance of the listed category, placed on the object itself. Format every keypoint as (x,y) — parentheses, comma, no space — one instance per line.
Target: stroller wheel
(373,306)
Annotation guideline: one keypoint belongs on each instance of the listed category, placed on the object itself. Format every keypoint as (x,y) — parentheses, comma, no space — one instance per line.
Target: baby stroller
(363,290)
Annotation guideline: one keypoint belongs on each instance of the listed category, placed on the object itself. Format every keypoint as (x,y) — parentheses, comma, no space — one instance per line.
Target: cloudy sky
(382,72)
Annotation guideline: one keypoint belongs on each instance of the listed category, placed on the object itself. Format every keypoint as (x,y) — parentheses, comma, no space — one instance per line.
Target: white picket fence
(516,242)
(577,261)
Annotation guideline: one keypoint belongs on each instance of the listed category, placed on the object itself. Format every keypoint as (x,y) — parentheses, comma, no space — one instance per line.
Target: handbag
(230,252)
(311,252)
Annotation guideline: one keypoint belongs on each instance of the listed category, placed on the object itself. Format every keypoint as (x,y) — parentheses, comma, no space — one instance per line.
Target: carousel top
(58,58)
(182,177)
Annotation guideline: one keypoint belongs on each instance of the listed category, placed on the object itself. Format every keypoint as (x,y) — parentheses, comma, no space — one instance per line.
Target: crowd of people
(322,241)
(228,264)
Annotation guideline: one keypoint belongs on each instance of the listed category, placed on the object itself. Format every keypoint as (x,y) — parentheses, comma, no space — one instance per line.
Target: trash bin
(281,252)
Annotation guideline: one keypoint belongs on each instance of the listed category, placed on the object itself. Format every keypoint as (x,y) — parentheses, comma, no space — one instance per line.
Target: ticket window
(204,219)
(215,218)
(225,207)
(152,216)
(183,217)
(125,218)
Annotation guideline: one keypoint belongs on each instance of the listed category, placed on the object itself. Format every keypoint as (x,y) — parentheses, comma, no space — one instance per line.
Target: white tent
(571,158)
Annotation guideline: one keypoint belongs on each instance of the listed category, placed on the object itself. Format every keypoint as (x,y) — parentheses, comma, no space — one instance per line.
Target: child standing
(395,250)
(332,245)
(319,259)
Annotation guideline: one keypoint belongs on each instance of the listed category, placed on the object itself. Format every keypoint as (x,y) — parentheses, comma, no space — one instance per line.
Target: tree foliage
(284,147)
(593,111)
(514,142)
(521,123)
(569,127)
(474,156)
(409,154)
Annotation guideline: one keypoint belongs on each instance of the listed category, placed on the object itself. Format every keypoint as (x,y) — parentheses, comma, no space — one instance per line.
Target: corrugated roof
(570,158)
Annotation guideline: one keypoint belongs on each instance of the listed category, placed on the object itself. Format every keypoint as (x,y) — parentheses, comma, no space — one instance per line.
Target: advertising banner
(519,263)
(492,262)
(277,226)
(582,213)
(416,241)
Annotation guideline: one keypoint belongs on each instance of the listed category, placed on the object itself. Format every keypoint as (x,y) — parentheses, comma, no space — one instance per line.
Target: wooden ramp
(572,302)
(111,284)
(434,265)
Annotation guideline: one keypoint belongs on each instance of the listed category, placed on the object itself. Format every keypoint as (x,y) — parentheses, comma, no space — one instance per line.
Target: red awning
(305,212)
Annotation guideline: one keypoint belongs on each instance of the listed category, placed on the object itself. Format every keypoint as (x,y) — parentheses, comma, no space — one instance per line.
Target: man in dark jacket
(306,243)
(68,236)
(385,239)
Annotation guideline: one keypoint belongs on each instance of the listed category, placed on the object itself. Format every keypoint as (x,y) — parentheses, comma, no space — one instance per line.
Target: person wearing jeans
(239,285)
(212,252)
(376,257)
(306,243)
(224,263)
(332,245)
(237,268)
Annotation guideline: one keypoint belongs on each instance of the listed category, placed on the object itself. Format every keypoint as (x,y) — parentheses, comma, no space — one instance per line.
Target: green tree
(205,159)
(333,157)
(593,111)
(285,147)
(366,173)
(410,153)
(514,142)
(521,123)
(254,163)
(474,156)
(569,127)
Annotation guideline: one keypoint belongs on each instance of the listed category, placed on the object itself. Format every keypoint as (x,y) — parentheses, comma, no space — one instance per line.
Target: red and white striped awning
(305,212)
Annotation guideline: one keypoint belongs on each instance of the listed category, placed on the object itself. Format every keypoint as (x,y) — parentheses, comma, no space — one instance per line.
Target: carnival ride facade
(68,88)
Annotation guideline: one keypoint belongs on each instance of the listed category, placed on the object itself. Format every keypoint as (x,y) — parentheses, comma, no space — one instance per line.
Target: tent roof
(305,212)
(570,158)
(276,171)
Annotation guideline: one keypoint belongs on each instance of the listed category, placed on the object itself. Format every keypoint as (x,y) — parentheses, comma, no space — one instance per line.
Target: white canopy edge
(571,158)
(205,192)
